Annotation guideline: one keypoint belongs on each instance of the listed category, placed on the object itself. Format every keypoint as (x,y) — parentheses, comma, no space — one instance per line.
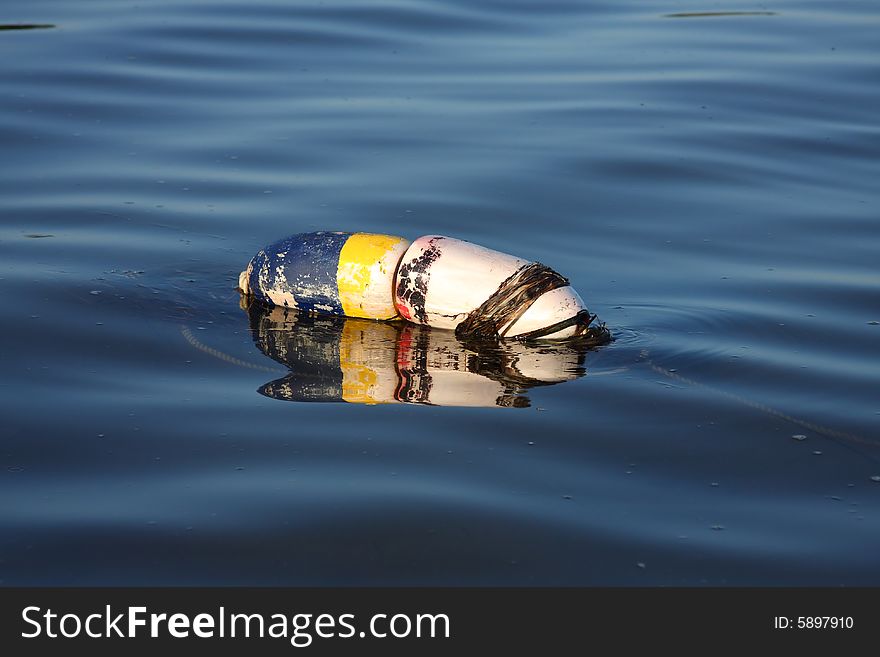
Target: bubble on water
(876,478)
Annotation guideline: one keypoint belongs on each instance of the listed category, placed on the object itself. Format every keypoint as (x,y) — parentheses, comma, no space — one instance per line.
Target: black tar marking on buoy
(419,271)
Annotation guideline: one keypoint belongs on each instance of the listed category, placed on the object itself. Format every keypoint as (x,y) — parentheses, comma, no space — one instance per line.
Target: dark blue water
(707,179)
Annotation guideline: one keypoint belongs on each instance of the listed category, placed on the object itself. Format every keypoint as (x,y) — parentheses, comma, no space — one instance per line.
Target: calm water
(707,179)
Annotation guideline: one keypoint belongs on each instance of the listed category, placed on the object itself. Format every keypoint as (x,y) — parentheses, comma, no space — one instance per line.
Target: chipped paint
(332,273)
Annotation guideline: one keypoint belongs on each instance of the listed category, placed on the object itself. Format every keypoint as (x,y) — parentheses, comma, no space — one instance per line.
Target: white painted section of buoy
(440,280)
(549,308)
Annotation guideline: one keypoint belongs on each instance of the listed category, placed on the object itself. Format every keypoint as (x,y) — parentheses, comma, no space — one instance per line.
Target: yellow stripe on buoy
(365,274)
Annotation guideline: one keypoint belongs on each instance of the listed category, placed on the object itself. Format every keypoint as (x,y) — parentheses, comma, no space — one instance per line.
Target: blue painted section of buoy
(300,267)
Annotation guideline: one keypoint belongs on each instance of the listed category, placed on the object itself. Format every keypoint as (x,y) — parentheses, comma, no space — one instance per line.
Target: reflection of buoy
(436,281)
(364,362)
(333,273)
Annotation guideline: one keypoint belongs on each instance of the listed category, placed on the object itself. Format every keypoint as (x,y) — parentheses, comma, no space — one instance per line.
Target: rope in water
(812,426)
(189,337)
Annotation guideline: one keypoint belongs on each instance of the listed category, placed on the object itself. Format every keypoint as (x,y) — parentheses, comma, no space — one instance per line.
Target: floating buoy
(340,359)
(332,273)
(436,281)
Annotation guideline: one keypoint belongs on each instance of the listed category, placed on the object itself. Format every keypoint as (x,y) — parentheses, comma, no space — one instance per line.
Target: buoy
(436,281)
(328,272)
(341,359)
